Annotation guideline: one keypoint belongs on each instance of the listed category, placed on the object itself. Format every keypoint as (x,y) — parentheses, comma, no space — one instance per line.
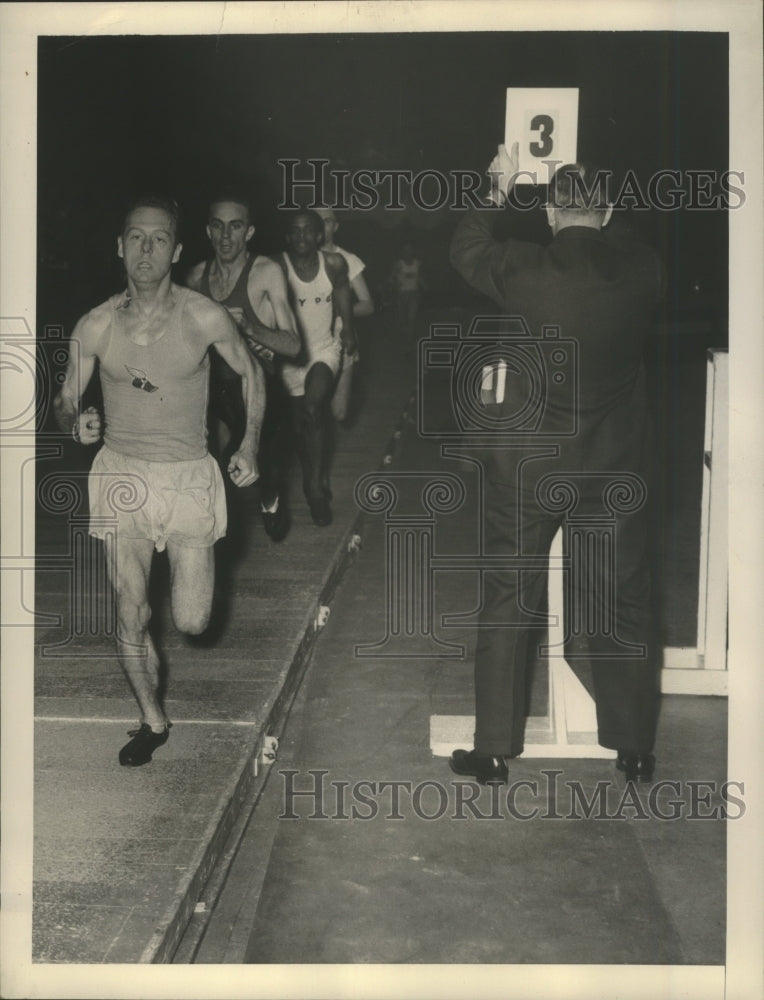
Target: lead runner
(152,343)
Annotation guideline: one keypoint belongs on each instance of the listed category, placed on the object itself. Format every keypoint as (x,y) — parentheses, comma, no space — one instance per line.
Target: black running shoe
(276,522)
(142,745)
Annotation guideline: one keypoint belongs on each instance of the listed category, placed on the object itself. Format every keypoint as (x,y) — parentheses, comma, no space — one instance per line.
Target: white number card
(544,122)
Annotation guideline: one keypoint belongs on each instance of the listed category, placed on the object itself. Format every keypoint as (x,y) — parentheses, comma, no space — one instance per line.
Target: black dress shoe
(636,766)
(142,745)
(276,522)
(482,766)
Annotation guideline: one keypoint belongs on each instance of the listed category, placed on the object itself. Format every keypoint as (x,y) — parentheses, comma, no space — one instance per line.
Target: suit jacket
(599,293)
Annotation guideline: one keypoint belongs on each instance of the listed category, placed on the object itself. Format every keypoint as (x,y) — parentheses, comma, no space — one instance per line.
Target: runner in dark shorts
(253,290)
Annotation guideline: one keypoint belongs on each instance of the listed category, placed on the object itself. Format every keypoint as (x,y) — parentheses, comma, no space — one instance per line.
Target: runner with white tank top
(319,291)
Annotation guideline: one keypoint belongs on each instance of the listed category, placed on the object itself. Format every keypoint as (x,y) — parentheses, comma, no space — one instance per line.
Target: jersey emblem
(141,379)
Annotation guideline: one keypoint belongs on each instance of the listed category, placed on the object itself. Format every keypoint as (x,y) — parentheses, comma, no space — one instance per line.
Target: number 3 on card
(544,123)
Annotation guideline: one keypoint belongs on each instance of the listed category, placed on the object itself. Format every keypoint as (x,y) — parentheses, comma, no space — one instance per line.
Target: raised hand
(504,168)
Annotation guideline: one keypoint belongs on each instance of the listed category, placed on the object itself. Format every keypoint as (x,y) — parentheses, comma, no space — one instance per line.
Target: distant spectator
(407,283)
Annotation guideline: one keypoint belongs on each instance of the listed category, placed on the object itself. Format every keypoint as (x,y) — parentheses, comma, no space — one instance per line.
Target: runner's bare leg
(129,565)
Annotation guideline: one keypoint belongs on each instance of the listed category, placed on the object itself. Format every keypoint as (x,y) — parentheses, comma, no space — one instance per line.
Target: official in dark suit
(588,300)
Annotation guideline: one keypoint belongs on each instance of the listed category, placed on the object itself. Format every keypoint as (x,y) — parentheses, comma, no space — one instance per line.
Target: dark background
(121,115)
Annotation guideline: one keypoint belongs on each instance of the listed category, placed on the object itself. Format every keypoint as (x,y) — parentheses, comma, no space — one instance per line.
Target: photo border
(742,976)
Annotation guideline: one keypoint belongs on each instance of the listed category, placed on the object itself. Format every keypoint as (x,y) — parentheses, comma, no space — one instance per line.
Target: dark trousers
(275,440)
(608,592)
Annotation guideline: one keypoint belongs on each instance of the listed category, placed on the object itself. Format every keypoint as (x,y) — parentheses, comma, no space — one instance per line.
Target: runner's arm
(337,269)
(284,339)
(221,333)
(83,349)
(364,304)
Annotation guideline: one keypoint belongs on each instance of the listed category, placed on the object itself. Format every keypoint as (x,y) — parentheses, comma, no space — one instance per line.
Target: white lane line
(131,721)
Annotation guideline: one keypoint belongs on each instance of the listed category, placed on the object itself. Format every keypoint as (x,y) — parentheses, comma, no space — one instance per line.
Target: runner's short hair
(234,196)
(154,200)
(315,218)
